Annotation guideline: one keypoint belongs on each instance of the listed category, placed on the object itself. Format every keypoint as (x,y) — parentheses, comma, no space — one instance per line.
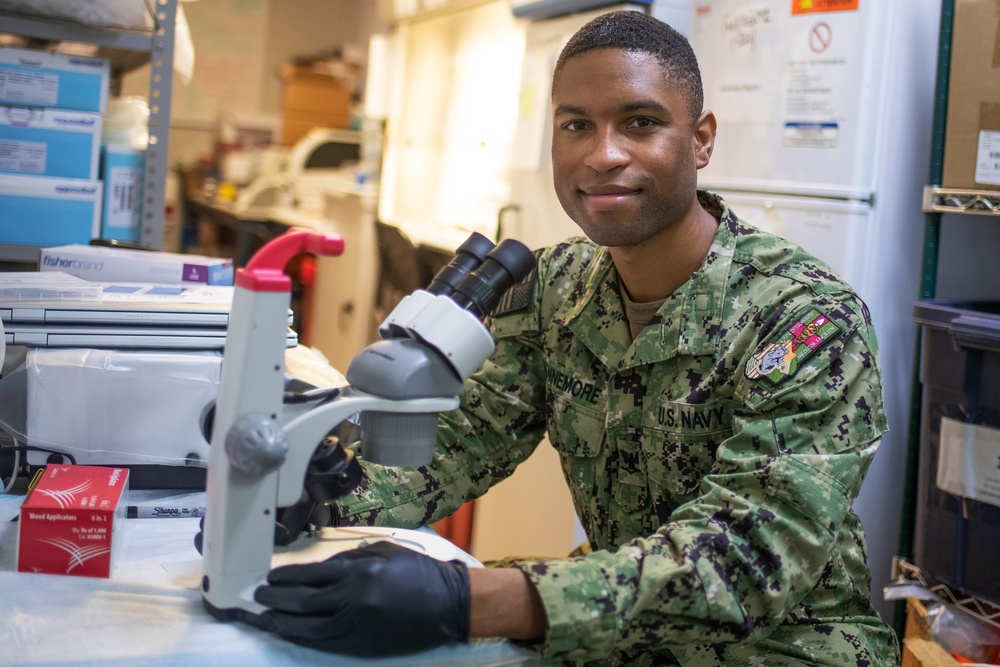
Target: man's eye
(575,126)
(641,121)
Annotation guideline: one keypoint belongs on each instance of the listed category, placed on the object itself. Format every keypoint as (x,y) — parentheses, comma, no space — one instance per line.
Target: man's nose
(607,152)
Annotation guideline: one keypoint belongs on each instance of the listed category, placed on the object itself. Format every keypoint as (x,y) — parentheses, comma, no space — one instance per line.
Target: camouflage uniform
(713,460)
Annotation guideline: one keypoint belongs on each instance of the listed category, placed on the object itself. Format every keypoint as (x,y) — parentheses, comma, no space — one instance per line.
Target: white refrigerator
(824,111)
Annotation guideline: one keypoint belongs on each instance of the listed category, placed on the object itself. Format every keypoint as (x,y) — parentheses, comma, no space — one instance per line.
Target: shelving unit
(981,609)
(973,202)
(937,202)
(127,50)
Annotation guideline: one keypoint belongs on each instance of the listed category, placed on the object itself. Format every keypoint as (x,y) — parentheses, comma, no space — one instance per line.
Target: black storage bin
(957,540)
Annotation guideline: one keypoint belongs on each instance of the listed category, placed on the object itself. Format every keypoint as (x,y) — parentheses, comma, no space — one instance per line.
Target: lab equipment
(323,159)
(263,453)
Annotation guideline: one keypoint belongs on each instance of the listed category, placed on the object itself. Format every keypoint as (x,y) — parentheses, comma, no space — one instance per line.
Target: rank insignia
(780,359)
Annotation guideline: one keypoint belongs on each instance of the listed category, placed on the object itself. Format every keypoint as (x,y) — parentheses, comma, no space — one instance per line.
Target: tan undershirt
(637,314)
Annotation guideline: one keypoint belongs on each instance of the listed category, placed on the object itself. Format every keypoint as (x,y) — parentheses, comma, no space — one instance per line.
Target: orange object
(822,6)
(457,528)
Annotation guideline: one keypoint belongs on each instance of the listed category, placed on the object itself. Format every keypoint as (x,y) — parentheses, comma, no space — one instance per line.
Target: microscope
(270,451)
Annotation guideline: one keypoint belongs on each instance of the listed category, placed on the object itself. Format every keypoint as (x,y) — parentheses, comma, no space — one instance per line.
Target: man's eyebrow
(640,105)
(569,110)
(628,107)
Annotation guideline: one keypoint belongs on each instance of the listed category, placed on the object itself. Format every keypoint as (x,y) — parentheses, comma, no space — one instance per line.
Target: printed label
(123,185)
(969,461)
(29,87)
(988,158)
(819,6)
(811,135)
(23,156)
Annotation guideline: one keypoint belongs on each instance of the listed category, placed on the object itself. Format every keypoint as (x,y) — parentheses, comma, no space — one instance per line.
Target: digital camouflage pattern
(716,496)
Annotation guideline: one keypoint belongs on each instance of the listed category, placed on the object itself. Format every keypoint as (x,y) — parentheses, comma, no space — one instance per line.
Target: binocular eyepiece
(481,273)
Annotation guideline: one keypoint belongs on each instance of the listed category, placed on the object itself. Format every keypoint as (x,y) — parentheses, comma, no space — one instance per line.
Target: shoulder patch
(519,295)
(785,351)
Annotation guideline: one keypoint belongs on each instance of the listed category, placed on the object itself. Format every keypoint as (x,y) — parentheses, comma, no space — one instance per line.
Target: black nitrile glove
(379,600)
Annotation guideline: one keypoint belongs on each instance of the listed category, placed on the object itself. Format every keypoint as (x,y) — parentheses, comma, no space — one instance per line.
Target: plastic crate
(958,533)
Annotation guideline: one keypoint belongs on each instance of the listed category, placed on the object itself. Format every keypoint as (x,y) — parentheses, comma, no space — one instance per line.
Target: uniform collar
(690,322)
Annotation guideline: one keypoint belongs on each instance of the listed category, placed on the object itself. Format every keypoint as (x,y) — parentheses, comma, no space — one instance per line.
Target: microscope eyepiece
(468,256)
(481,290)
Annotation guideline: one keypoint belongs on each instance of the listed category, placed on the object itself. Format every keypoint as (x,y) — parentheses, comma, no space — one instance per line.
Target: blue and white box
(124,265)
(53,80)
(121,171)
(42,211)
(49,142)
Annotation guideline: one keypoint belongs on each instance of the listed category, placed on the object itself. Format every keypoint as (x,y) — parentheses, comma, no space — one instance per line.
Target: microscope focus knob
(256,444)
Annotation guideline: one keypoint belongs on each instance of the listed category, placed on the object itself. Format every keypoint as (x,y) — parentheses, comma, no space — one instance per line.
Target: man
(713,393)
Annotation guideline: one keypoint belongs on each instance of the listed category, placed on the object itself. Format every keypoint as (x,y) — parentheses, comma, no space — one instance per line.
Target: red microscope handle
(265,272)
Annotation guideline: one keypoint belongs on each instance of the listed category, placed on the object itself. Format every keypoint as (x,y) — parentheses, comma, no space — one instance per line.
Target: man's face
(625,152)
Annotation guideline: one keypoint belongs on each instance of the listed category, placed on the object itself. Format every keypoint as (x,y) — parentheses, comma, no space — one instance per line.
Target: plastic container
(958,511)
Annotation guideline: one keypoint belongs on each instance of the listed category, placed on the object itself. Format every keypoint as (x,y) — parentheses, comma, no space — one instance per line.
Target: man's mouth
(608,197)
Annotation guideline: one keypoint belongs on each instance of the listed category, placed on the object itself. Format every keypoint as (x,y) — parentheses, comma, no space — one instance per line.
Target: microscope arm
(307,430)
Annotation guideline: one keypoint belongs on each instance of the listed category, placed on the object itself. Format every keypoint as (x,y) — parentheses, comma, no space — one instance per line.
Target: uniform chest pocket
(577,433)
(679,447)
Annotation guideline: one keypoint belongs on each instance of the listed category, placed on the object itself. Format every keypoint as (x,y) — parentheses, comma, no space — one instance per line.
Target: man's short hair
(630,30)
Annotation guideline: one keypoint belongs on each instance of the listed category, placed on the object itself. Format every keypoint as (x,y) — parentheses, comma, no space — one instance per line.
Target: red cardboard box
(71,521)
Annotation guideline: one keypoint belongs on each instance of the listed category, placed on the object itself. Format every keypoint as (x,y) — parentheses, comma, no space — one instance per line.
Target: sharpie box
(49,142)
(40,211)
(110,265)
(53,80)
(71,521)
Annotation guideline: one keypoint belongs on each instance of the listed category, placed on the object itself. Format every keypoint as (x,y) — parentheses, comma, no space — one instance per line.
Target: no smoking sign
(820,37)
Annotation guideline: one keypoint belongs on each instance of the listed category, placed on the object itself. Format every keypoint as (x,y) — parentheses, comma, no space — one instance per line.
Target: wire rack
(946,200)
(904,571)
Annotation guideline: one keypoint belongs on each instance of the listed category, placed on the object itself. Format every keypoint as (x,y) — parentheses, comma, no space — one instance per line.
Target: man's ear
(704,138)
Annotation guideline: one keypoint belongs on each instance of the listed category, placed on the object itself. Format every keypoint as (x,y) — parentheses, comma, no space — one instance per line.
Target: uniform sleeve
(731,564)
(500,421)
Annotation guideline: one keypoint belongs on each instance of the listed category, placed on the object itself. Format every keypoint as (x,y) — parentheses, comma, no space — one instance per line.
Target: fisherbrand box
(71,521)
(110,265)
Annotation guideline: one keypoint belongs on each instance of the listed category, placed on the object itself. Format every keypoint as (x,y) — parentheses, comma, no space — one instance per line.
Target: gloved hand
(379,600)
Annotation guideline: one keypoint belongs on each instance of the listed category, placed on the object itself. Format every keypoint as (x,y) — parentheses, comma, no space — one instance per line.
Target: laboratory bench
(150,612)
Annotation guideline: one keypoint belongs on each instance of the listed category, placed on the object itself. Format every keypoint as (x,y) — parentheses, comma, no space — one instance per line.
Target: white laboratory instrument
(265,453)
(323,160)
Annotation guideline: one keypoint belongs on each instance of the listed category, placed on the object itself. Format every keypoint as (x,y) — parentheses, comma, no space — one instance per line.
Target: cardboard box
(109,265)
(53,80)
(919,649)
(42,211)
(49,142)
(972,131)
(71,521)
(312,99)
(121,171)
